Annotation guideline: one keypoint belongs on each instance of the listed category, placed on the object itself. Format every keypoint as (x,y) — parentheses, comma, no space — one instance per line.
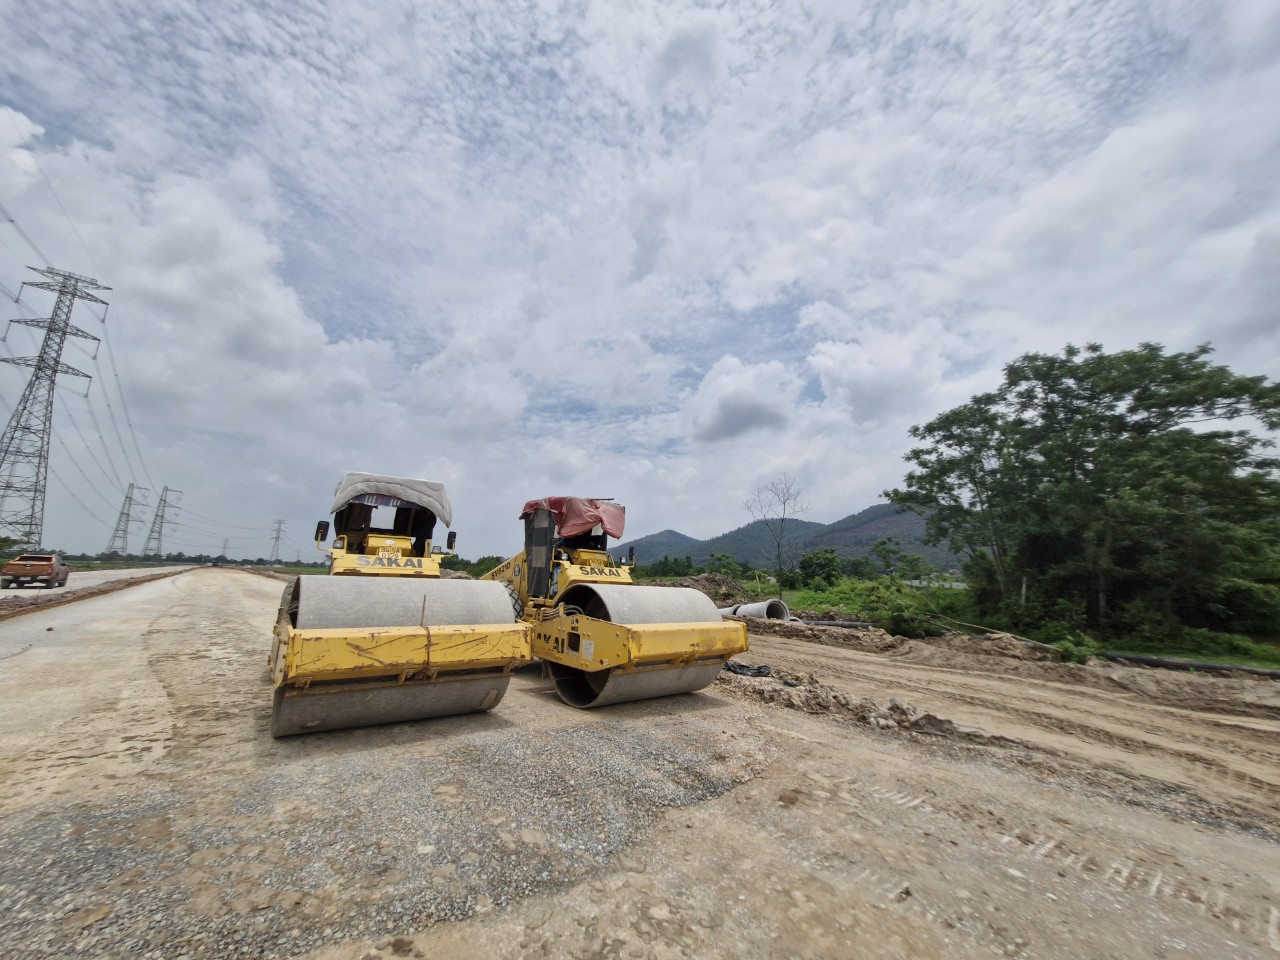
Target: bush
(886,601)
(1078,647)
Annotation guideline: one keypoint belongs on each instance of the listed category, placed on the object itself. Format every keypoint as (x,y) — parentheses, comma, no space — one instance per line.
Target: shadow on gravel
(684,704)
(438,730)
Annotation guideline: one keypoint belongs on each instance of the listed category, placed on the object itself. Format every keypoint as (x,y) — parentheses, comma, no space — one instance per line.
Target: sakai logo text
(601,572)
(389,562)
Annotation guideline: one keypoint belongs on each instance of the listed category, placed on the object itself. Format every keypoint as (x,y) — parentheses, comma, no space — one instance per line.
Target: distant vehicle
(48,569)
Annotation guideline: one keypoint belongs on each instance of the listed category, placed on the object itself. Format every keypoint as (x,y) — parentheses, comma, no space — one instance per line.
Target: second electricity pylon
(120,536)
(24,448)
(155,539)
(275,547)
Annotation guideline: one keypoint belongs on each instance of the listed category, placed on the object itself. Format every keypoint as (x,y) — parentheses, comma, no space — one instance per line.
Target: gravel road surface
(145,812)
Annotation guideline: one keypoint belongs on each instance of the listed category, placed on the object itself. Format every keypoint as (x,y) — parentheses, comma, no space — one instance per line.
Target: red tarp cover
(575,515)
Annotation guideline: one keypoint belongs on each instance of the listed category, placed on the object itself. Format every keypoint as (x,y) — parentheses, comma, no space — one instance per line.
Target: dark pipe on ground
(1187,664)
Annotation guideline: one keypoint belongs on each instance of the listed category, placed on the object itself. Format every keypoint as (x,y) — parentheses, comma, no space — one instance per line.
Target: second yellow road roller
(602,638)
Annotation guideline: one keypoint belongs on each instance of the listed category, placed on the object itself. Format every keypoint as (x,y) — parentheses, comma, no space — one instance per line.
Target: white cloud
(736,398)
(657,250)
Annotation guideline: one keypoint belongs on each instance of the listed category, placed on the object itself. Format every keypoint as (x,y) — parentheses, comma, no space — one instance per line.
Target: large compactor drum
(355,651)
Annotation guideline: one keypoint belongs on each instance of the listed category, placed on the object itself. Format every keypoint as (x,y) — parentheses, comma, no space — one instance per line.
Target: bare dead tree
(773,505)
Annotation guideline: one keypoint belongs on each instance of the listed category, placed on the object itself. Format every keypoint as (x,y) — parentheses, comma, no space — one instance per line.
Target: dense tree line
(1130,493)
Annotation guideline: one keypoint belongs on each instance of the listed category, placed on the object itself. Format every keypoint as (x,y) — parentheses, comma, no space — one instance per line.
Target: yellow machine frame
(377,652)
(564,635)
(588,644)
(385,555)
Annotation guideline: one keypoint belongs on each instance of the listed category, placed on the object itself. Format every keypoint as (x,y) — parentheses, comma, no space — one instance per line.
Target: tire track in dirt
(1140,880)
(1128,711)
(1218,762)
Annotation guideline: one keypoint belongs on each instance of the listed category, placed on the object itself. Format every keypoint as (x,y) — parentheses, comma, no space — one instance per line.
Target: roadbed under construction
(873,797)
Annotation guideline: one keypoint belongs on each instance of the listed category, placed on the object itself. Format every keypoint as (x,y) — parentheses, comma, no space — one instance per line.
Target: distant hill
(854,535)
(668,543)
(752,543)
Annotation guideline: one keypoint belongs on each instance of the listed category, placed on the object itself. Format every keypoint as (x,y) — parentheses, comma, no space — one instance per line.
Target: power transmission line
(115,424)
(67,487)
(214,520)
(105,449)
(66,409)
(128,419)
(23,234)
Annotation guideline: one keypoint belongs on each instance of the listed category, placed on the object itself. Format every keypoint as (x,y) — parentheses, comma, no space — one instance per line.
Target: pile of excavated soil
(828,614)
(723,590)
(866,639)
(874,640)
(997,645)
(1240,694)
(808,694)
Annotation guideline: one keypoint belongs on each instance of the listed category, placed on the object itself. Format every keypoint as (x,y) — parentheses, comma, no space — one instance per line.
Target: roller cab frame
(401,550)
(601,637)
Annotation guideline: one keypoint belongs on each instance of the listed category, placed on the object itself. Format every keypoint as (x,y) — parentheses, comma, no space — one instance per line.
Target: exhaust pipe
(765,610)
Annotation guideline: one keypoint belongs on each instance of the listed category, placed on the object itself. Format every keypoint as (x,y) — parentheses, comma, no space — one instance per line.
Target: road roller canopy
(374,490)
(578,515)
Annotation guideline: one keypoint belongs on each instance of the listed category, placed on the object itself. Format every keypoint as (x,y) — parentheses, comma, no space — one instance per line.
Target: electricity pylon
(155,539)
(275,547)
(120,536)
(24,447)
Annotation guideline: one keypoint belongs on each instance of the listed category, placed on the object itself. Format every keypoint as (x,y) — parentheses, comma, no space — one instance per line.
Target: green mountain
(753,544)
(668,543)
(854,535)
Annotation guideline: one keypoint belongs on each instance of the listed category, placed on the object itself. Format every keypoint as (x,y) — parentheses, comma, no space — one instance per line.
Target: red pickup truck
(46,568)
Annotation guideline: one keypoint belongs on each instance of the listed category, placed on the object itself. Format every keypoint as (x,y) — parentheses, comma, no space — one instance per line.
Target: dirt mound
(723,590)
(1240,694)
(997,645)
(866,639)
(455,575)
(828,614)
(808,694)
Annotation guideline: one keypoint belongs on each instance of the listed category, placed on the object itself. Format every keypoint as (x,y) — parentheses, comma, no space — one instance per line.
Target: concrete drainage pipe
(766,609)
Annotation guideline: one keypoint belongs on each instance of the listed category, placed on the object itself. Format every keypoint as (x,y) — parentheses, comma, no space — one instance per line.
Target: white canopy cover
(380,491)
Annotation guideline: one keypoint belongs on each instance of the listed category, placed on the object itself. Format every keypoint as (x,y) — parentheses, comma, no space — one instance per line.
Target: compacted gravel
(145,812)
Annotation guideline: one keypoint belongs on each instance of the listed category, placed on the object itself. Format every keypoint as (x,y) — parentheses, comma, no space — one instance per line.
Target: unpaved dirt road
(146,812)
(79,579)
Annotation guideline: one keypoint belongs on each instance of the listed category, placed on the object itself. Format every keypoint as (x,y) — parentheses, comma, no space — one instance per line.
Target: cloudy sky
(661,252)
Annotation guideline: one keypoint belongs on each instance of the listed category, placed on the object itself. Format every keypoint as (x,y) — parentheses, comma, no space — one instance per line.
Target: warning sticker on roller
(588,649)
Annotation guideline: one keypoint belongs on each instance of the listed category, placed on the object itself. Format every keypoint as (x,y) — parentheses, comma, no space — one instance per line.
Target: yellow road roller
(383,639)
(602,638)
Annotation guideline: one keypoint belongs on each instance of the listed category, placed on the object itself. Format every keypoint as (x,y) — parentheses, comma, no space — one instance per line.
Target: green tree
(860,568)
(897,562)
(724,563)
(1109,488)
(820,566)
